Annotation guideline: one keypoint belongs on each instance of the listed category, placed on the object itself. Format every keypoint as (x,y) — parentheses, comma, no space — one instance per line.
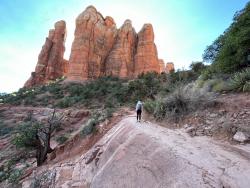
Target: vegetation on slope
(230,52)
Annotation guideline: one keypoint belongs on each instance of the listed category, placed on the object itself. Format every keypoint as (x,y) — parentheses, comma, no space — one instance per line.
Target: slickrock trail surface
(145,155)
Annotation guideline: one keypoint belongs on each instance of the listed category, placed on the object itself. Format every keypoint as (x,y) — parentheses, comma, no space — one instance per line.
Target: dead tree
(44,134)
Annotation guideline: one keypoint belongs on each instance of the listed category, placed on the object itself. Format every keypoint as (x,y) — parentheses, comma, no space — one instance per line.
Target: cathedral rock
(99,49)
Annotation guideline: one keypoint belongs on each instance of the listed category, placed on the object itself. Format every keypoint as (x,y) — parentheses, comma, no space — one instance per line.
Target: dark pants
(138,115)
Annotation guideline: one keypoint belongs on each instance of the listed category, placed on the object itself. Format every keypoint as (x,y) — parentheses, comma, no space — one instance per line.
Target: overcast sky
(183,28)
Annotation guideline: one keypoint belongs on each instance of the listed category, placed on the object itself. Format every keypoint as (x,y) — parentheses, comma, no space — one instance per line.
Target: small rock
(209,122)
(186,126)
(191,131)
(240,137)
(242,113)
(222,120)
(213,115)
(235,115)
(199,133)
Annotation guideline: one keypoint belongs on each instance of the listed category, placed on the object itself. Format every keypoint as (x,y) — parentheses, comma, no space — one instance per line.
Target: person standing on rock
(138,110)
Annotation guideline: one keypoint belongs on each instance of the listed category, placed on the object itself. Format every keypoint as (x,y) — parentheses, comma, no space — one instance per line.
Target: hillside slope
(146,155)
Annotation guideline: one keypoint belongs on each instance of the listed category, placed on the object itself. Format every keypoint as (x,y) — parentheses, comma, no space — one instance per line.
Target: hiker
(138,110)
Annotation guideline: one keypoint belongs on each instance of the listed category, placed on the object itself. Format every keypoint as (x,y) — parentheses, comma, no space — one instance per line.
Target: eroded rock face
(51,64)
(162,66)
(149,156)
(170,67)
(120,61)
(94,38)
(146,58)
(99,49)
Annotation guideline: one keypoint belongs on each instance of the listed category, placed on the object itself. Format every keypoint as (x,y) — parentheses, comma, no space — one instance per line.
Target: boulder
(241,137)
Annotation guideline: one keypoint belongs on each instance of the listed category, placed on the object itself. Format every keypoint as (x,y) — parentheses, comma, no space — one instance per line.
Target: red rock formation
(120,61)
(98,49)
(50,63)
(146,58)
(162,66)
(94,38)
(170,67)
(65,67)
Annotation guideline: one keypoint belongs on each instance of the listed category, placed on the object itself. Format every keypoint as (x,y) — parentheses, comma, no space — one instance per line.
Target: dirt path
(145,155)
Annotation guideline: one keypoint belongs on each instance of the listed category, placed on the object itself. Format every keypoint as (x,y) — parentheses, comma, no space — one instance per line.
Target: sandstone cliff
(94,38)
(168,68)
(51,64)
(146,58)
(99,49)
(120,61)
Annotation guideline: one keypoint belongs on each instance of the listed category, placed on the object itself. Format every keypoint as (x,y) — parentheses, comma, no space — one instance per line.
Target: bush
(150,106)
(181,102)
(15,176)
(62,139)
(67,102)
(197,67)
(240,81)
(4,129)
(145,86)
(27,135)
(221,86)
(90,127)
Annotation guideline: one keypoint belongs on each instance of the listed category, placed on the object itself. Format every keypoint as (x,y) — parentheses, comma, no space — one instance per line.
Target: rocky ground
(227,119)
(135,154)
(73,143)
(208,148)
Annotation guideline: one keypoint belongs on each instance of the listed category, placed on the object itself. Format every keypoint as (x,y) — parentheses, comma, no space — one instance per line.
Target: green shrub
(15,176)
(62,139)
(67,102)
(4,129)
(207,73)
(90,127)
(221,86)
(149,106)
(3,174)
(27,135)
(181,102)
(240,81)
(246,87)
(109,112)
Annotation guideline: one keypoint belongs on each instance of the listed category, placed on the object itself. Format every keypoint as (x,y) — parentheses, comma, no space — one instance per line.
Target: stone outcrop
(146,58)
(170,67)
(51,64)
(148,156)
(94,38)
(99,49)
(162,66)
(120,61)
